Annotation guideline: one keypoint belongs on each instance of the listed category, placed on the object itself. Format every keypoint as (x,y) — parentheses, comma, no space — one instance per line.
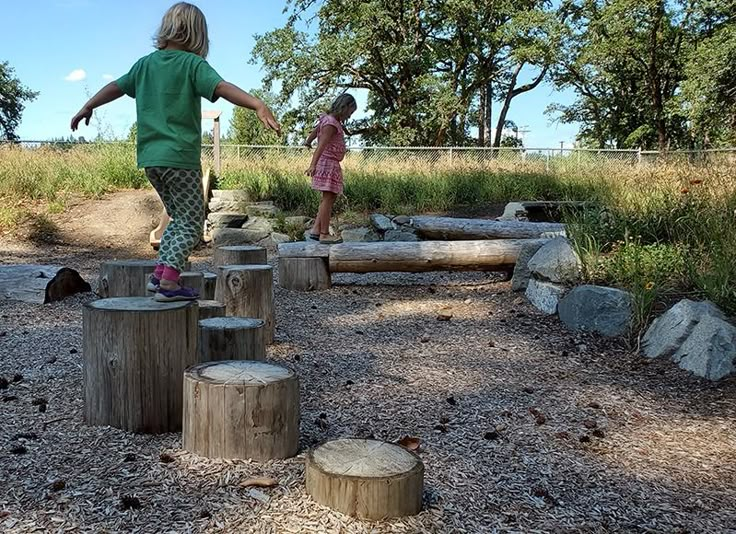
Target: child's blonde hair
(184,24)
(342,103)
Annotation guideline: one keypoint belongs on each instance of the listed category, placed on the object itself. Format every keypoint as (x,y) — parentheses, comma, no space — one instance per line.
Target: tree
(133,132)
(13,98)
(247,129)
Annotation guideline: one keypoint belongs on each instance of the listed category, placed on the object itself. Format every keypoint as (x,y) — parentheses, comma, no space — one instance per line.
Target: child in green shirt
(168,86)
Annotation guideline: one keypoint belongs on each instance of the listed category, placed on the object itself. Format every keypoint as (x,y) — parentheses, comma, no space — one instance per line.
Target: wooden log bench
(415,257)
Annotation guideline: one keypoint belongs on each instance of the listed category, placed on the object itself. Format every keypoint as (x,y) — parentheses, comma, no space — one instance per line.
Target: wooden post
(367,479)
(125,278)
(209,284)
(240,255)
(304,274)
(135,353)
(241,409)
(231,338)
(192,279)
(247,291)
(209,309)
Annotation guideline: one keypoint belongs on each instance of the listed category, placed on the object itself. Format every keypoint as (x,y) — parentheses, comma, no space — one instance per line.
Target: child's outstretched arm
(311,138)
(106,95)
(235,95)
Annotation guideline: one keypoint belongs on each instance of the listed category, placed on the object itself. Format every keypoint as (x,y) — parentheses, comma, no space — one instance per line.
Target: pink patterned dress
(328,174)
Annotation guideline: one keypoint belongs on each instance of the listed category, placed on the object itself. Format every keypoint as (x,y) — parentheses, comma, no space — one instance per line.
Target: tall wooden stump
(240,255)
(247,291)
(125,278)
(231,338)
(209,284)
(193,279)
(241,409)
(210,308)
(135,352)
(366,478)
(304,274)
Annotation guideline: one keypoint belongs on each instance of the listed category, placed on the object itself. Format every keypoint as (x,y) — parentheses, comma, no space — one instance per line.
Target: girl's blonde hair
(342,103)
(184,25)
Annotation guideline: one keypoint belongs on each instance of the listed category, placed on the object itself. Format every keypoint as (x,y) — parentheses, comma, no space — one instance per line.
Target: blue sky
(68,49)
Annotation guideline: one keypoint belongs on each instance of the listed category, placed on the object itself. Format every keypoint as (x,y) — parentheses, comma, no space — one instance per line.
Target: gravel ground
(524,427)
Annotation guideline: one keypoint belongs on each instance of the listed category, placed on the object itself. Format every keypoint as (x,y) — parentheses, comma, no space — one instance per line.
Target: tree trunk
(367,479)
(451,228)
(241,409)
(231,338)
(135,353)
(247,291)
(304,274)
(512,93)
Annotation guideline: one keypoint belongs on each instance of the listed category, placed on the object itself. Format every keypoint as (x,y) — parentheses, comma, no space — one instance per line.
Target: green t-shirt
(168,86)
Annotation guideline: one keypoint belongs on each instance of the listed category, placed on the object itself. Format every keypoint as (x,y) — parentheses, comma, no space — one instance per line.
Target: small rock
(224,219)
(58,485)
(360,235)
(65,283)
(9,398)
(401,220)
(39,401)
(166,458)
(128,502)
(401,235)
(444,315)
(381,222)
(528,390)
(42,408)
(594,405)
(130,457)
(598,433)
(491,436)
(17,377)
(556,262)
(4,383)
(18,449)
(584,438)
(451,401)
(205,514)
(544,296)
(263,209)
(604,310)
(279,238)
(73,351)
(590,423)
(539,417)
(440,428)
(425,338)
(222,237)
(51,359)
(522,274)
(258,495)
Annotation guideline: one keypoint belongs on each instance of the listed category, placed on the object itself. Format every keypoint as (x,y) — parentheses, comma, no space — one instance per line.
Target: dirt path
(524,426)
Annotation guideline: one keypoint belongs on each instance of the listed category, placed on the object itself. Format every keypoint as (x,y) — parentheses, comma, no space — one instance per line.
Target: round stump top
(209,275)
(244,248)
(136,304)
(364,458)
(210,304)
(246,268)
(240,372)
(231,323)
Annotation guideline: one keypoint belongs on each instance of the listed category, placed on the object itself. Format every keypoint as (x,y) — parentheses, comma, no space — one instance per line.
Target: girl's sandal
(330,241)
(314,237)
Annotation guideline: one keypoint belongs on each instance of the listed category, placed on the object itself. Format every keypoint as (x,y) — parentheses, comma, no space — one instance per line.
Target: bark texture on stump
(125,278)
(240,255)
(241,409)
(232,338)
(135,354)
(367,479)
(209,284)
(247,291)
(209,309)
(304,274)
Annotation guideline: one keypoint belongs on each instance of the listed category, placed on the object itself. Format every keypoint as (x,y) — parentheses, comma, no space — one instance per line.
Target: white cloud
(108,77)
(77,75)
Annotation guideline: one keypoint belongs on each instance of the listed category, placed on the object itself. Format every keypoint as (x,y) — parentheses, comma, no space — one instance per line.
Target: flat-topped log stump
(135,353)
(125,278)
(247,291)
(232,338)
(367,479)
(450,228)
(209,285)
(241,409)
(304,274)
(193,279)
(240,255)
(209,309)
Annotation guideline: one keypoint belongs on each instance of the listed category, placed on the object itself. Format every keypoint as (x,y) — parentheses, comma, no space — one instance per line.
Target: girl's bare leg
(328,201)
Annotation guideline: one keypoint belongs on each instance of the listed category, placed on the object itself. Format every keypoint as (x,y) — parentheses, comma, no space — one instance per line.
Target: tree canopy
(13,98)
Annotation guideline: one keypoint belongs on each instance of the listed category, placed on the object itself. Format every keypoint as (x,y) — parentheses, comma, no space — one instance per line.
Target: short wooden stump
(304,274)
(367,479)
(240,255)
(135,353)
(247,291)
(210,308)
(241,409)
(232,338)
(209,284)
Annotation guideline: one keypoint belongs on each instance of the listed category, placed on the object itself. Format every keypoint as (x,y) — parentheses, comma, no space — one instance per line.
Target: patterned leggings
(181,192)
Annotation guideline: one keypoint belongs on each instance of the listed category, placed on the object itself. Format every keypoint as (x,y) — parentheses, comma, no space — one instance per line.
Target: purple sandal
(173,295)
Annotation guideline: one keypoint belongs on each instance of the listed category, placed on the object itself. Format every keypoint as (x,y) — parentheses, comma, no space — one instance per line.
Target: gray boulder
(605,310)
(402,234)
(361,235)
(217,205)
(262,209)
(520,279)
(223,219)
(710,349)
(230,195)
(545,296)
(556,262)
(382,223)
(258,225)
(279,238)
(223,237)
(401,220)
(669,331)
(514,211)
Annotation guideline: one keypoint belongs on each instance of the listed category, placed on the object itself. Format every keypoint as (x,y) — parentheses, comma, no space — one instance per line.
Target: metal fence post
(547,160)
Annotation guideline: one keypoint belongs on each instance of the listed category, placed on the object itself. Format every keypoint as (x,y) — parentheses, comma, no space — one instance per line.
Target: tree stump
(231,338)
(247,291)
(135,353)
(240,255)
(304,274)
(210,282)
(367,479)
(193,279)
(241,409)
(125,278)
(210,308)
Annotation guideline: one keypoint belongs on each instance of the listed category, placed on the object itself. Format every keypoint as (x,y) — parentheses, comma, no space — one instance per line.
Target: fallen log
(425,256)
(449,228)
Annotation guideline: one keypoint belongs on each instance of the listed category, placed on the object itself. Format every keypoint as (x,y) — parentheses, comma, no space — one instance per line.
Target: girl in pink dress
(325,167)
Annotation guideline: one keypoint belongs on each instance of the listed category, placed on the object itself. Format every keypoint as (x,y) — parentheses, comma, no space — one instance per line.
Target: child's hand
(308,145)
(85,113)
(268,120)
(311,170)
